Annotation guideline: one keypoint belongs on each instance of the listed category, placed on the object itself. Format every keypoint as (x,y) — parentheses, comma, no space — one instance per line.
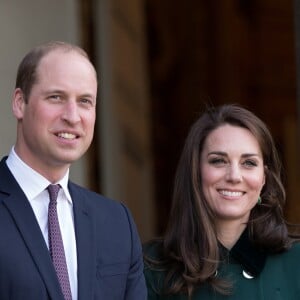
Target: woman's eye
(217,161)
(250,163)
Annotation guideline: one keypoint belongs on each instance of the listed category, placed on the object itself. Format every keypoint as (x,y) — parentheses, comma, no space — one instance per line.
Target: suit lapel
(85,243)
(23,215)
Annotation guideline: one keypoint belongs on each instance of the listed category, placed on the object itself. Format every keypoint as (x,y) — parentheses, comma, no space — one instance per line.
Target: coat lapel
(23,215)
(86,256)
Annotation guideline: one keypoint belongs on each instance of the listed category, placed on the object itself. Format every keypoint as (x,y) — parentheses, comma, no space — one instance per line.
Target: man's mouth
(67,135)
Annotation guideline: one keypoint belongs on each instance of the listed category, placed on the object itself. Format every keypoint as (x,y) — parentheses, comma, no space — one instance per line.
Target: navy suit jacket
(109,253)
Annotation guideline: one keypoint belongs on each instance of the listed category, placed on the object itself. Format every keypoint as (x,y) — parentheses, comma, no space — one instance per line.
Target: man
(99,251)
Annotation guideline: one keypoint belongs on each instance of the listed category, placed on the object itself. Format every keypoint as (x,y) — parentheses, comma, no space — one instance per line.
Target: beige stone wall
(24,24)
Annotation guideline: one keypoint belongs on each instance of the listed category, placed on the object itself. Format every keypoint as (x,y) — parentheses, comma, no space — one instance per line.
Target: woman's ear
(18,104)
(265,174)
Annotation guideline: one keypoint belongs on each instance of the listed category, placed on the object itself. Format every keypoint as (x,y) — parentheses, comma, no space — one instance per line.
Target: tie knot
(53,190)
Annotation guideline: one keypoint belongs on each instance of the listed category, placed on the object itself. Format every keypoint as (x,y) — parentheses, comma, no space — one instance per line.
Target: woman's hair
(190,245)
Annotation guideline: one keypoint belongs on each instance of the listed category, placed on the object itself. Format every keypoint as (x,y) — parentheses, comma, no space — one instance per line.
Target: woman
(226,237)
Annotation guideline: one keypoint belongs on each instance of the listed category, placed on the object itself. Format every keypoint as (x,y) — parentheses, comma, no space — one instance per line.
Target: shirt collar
(31,182)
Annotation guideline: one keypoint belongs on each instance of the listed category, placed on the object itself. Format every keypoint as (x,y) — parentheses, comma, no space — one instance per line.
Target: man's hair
(27,70)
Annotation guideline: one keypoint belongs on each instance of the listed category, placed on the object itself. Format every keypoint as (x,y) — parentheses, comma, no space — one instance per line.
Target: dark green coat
(277,277)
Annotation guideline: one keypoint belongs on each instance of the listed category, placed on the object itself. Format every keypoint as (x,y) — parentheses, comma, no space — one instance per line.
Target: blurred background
(160,63)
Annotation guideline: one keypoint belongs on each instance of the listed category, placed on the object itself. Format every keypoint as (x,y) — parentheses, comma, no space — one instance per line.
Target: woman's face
(232,171)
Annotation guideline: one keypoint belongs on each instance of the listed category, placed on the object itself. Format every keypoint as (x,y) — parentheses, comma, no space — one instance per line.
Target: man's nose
(71,112)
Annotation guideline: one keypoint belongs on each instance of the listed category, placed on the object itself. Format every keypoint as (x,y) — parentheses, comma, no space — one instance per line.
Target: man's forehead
(62,56)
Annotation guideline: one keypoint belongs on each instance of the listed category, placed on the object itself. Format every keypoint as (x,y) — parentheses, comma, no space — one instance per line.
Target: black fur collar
(248,255)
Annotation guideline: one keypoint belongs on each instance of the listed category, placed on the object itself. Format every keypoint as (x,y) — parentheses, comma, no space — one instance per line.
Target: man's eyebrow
(54,91)
(59,91)
(88,95)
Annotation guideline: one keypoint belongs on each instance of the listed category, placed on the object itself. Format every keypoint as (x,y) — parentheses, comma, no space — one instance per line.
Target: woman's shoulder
(283,269)
(294,250)
(153,267)
(290,256)
(153,250)
(154,261)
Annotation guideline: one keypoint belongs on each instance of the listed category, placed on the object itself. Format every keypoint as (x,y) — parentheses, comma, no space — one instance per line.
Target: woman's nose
(233,173)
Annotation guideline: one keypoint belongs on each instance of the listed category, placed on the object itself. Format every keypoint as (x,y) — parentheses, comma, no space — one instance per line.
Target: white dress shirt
(34,187)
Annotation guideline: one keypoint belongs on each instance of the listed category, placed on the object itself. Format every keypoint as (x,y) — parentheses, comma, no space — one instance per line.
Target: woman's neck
(228,232)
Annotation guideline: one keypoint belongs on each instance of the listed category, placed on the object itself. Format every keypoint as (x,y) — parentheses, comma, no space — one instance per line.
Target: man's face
(56,125)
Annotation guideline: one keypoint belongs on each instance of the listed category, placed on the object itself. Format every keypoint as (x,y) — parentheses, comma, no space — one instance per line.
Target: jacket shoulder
(104,209)
(288,260)
(91,197)
(293,252)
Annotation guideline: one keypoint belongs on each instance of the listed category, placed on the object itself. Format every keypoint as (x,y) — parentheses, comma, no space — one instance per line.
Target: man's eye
(55,97)
(86,101)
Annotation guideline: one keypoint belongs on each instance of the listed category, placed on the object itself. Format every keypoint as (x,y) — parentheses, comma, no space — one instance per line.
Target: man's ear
(18,104)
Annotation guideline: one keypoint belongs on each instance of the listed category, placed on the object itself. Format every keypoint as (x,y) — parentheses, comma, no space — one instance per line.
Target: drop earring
(259,200)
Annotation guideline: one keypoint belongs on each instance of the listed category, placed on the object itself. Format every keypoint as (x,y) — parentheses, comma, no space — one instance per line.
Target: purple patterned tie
(56,245)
